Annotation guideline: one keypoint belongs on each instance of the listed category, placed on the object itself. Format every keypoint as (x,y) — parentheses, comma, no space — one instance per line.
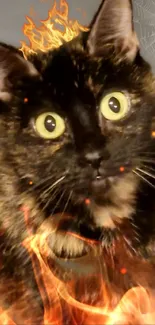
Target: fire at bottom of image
(87,290)
(83,290)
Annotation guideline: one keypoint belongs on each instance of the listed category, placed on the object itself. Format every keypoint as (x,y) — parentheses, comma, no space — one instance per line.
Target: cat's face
(79,132)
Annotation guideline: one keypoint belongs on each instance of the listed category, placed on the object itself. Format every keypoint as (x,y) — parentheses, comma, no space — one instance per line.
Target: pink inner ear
(131,46)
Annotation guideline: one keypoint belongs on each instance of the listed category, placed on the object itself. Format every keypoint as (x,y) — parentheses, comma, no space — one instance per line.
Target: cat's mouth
(101,183)
(109,203)
(100,186)
(112,199)
(68,238)
(96,190)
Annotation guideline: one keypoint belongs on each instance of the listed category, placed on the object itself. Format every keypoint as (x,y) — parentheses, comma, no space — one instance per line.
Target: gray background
(13,12)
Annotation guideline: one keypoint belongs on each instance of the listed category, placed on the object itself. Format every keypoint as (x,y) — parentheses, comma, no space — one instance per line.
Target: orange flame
(48,36)
(59,294)
(134,308)
(5,319)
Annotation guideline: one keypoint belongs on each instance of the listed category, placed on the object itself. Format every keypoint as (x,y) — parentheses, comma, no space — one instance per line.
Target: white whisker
(43,194)
(146,173)
(148,168)
(69,197)
(144,179)
(59,200)
(148,160)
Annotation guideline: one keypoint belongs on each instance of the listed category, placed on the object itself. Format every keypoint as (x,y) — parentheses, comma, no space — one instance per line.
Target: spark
(123,270)
(87,201)
(122,169)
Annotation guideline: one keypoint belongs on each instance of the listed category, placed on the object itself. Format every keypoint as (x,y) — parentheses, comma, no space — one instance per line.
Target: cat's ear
(13,67)
(112,30)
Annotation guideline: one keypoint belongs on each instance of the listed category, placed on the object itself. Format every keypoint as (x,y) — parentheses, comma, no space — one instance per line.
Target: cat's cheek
(20,219)
(121,198)
(110,216)
(20,216)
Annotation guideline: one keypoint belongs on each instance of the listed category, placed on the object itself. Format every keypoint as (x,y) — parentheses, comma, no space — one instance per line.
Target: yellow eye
(114,106)
(49,125)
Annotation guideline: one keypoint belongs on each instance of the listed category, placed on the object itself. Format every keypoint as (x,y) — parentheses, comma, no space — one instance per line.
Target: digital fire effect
(62,304)
(136,307)
(52,32)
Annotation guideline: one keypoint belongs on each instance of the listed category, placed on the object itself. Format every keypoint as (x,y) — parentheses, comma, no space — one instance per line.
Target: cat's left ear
(112,30)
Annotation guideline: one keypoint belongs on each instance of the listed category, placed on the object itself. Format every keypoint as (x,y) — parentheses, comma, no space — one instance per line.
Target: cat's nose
(93,158)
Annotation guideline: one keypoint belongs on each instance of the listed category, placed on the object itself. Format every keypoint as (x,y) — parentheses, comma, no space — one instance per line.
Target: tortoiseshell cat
(76,140)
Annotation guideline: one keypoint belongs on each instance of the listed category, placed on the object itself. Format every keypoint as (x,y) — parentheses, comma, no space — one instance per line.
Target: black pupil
(50,123)
(114,104)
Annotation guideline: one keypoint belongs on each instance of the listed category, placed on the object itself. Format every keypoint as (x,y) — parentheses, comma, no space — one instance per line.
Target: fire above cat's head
(47,36)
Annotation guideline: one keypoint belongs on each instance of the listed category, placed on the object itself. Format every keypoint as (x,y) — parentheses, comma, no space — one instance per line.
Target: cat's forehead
(70,67)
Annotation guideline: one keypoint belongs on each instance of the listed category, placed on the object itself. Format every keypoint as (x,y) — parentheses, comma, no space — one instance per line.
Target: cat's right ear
(112,31)
(13,68)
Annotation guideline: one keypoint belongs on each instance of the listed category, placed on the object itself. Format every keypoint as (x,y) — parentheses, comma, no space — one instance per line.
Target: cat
(77,148)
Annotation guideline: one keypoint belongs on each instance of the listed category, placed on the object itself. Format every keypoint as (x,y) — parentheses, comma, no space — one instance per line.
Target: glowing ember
(123,270)
(122,169)
(30,183)
(47,36)
(87,201)
(153,134)
(26,100)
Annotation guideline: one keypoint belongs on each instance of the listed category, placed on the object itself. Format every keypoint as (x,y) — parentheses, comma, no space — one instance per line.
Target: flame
(59,294)
(52,32)
(57,291)
(135,307)
(5,319)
